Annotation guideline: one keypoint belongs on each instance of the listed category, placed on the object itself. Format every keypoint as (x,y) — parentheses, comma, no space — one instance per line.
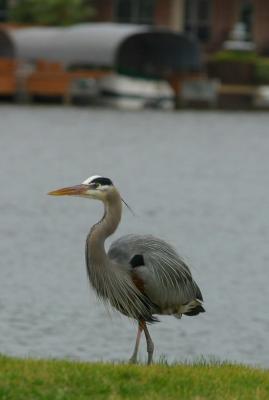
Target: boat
(127,92)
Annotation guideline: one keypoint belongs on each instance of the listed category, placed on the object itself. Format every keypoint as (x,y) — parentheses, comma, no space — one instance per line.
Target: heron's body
(140,276)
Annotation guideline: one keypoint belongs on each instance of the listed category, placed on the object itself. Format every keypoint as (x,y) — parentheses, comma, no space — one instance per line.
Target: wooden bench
(236,96)
(52,80)
(7,77)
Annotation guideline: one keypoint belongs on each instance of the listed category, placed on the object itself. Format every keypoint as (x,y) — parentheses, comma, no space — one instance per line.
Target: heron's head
(96,187)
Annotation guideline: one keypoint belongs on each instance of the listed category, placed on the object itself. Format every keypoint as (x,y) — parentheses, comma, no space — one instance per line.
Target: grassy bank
(57,380)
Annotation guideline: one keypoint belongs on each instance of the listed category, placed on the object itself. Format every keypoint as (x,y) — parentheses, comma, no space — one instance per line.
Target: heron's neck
(104,228)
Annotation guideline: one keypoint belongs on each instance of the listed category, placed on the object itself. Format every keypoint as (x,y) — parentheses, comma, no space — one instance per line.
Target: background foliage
(51,12)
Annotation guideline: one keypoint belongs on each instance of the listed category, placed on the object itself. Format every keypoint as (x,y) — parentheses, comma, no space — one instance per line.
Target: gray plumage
(168,282)
(141,276)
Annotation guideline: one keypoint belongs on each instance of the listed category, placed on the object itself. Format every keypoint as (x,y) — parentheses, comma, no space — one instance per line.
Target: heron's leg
(150,344)
(133,359)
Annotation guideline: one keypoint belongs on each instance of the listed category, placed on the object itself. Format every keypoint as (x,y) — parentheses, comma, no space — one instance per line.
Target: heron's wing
(162,275)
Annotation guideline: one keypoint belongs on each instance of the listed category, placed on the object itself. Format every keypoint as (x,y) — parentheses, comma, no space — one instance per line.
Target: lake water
(199,180)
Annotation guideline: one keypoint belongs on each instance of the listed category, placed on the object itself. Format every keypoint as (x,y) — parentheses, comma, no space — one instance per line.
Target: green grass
(63,380)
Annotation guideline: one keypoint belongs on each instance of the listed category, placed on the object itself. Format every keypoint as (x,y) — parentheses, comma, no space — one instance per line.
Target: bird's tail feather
(194,307)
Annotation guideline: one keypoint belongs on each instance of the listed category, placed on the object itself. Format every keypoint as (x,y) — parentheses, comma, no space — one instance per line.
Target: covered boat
(145,60)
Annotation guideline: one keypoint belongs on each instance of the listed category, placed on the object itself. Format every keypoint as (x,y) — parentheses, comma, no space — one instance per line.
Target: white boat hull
(135,93)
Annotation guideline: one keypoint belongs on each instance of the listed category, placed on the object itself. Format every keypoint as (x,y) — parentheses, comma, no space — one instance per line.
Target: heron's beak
(78,190)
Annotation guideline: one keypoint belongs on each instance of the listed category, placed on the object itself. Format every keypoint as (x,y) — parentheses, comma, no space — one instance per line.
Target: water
(198,180)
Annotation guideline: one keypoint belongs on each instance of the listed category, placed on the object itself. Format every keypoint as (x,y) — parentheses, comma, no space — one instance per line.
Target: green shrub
(262,71)
(51,12)
(236,56)
(261,64)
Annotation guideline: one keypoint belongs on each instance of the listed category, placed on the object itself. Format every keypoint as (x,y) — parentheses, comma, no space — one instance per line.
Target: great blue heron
(140,276)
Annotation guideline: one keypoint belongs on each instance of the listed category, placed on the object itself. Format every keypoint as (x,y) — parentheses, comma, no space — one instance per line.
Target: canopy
(158,53)
(6,45)
(86,44)
(135,49)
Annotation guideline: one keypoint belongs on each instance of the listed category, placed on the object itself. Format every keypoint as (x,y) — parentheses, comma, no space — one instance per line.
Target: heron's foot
(150,357)
(133,359)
